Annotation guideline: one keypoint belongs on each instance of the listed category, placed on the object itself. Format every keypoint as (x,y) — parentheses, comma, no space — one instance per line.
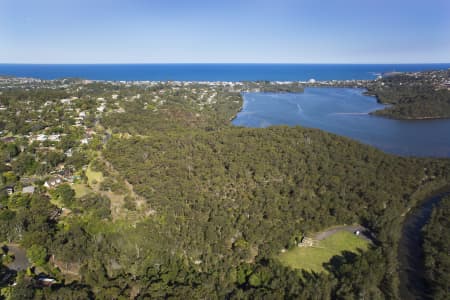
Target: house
(9,190)
(65,101)
(41,138)
(28,190)
(101,108)
(54,137)
(53,182)
(69,152)
(65,172)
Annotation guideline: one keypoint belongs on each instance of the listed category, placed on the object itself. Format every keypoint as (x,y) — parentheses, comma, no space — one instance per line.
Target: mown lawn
(313,258)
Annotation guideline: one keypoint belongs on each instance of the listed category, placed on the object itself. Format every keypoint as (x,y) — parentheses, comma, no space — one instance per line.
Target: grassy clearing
(56,202)
(81,189)
(116,204)
(94,178)
(313,258)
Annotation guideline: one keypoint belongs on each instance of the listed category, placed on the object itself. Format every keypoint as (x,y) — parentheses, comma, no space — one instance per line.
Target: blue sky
(241,31)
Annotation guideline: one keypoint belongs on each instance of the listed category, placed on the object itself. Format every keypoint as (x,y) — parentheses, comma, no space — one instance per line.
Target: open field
(313,258)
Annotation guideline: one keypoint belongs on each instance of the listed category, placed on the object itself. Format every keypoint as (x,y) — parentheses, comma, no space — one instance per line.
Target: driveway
(364,233)
(21,261)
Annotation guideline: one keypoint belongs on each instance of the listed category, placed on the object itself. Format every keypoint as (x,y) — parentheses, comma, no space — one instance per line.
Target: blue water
(212,72)
(344,111)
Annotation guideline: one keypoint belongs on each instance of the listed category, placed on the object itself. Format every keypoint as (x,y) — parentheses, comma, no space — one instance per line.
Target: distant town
(440,79)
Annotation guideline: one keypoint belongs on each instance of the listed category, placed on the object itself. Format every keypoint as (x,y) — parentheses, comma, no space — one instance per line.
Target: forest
(411,97)
(184,205)
(437,249)
(247,193)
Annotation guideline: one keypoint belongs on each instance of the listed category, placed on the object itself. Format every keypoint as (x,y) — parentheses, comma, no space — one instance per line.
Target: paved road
(20,258)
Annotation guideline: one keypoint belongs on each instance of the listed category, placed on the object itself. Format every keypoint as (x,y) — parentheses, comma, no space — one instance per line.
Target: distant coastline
(435,84)
(212,72)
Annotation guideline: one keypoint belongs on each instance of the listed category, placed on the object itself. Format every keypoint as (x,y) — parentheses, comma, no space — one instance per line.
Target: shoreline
(236,86)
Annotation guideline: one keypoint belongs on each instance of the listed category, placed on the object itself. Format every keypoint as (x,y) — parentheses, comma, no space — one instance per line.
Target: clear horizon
(227,63)
(235,32)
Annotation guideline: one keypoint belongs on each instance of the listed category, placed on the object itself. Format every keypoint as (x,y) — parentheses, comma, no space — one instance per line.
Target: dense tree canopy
(437,250)
(239,195)
(206,207)
(411,97)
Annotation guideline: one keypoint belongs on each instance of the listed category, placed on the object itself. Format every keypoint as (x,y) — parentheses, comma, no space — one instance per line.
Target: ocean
(211,72)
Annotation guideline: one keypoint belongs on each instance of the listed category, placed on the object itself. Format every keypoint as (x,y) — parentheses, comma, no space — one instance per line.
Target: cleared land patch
(312,258)
(94,177)
(81,189)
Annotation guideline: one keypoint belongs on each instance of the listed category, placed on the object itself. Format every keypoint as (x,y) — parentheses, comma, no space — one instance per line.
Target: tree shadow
(345,258)
(7,276)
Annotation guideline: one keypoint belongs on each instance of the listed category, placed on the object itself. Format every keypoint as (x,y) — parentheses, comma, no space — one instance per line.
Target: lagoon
(345,111)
